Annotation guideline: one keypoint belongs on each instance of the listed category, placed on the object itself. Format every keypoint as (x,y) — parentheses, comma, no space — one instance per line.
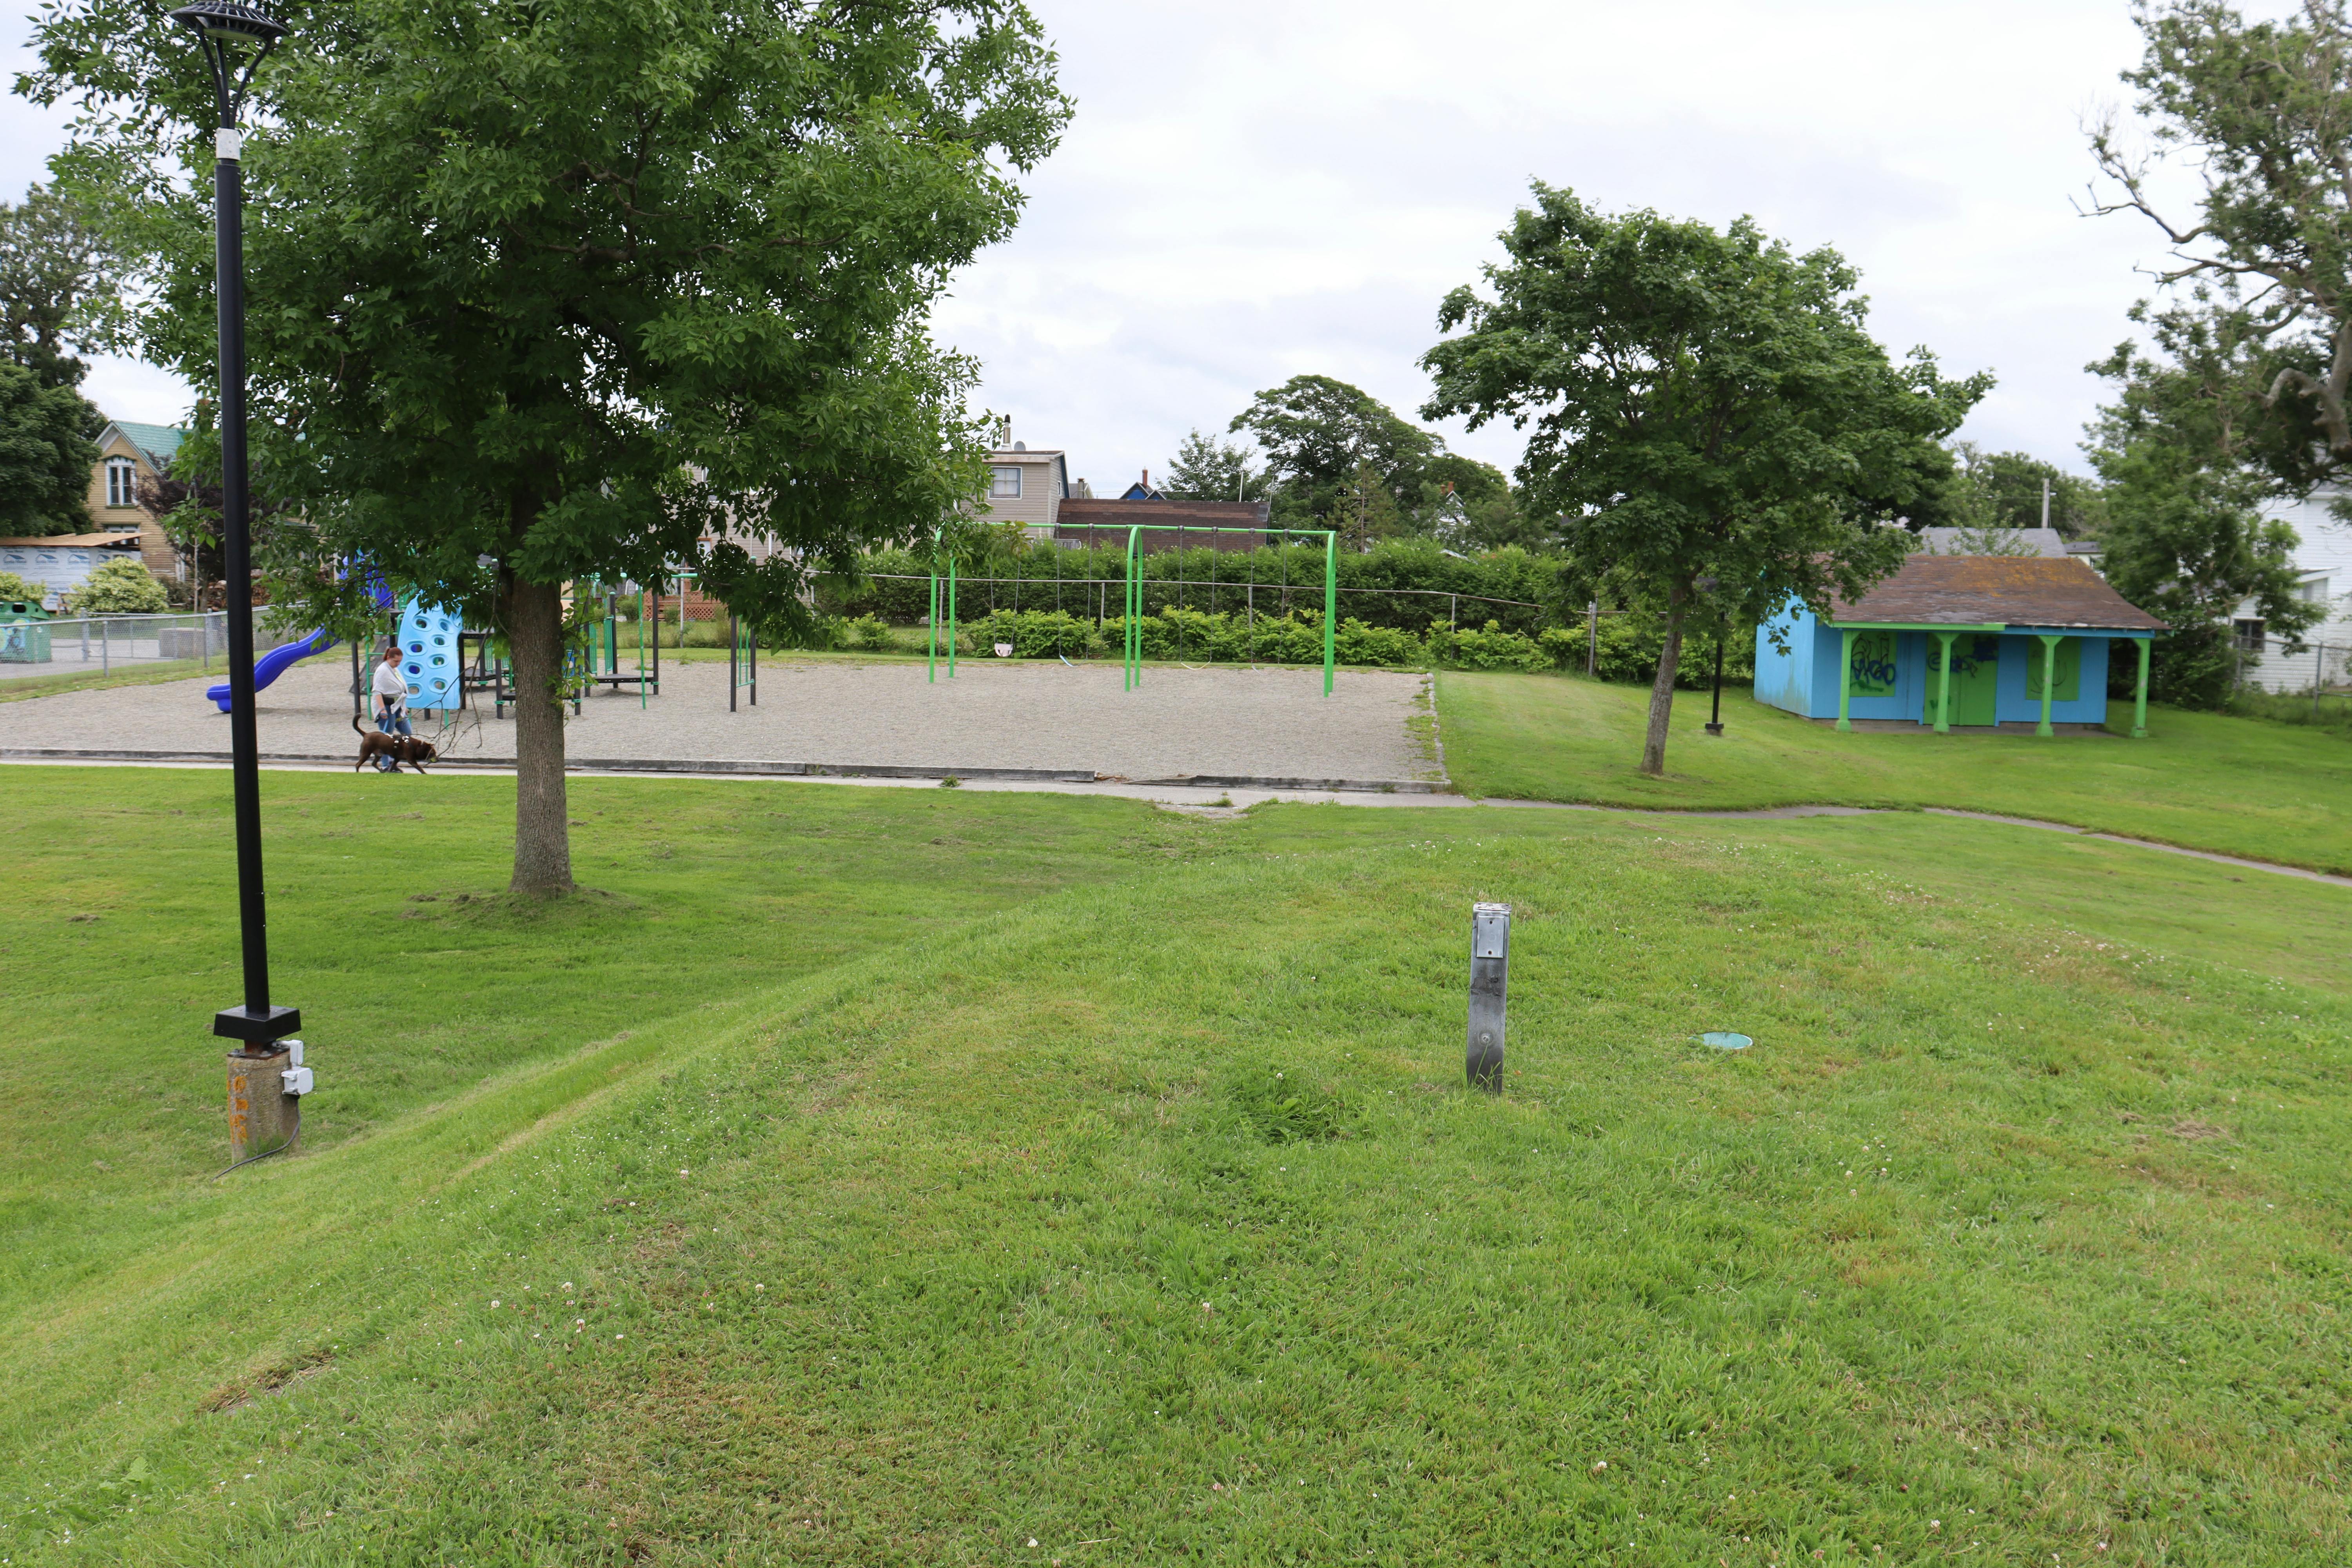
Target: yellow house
(128,454)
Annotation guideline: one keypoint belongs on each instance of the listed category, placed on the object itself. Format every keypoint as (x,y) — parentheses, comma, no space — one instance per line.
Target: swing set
(1133,651)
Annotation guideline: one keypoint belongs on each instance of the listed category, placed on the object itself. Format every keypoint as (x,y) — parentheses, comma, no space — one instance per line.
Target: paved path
(1228,722)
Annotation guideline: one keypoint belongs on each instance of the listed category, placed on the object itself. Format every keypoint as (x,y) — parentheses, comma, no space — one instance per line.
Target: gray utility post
(1490,973)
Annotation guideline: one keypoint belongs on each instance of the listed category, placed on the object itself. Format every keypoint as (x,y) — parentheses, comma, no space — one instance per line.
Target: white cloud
(1255,190)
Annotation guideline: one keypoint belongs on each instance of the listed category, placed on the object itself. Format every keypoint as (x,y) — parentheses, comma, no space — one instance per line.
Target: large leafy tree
(1205,468)
(1324,439)
(542,293)
(57,293)
(2185,535)
(59,285)
(45,453)
(1712,423)
(2240,394)
(2263,111)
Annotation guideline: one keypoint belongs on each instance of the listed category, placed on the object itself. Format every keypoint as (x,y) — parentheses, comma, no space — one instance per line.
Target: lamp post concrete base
(262,1117)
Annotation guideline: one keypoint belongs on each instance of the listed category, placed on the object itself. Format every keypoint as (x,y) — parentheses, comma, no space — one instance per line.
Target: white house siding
(2324,557)
(57,569)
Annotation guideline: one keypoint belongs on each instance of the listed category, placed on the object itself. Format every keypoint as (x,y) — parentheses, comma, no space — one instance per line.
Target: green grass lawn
(2203,781)
(885,1176)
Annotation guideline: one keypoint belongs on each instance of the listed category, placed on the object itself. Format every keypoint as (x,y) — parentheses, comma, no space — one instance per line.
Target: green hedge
(1181,635)
(1630,645)
(1399,585)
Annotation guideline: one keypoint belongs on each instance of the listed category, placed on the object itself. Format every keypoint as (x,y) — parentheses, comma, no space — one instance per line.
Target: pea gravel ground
(1253,723)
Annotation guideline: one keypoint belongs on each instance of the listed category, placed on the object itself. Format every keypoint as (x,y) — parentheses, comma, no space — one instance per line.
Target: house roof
(1956,541)
(1160,520)
(73,541)
(157,443)
(1995,590)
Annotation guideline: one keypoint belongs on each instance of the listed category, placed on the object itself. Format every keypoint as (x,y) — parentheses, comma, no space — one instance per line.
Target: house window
(2250,636)
(121,482)
(1005,482)
(2315,592)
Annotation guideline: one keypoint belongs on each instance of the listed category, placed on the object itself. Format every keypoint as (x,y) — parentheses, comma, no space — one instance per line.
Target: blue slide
(268,667)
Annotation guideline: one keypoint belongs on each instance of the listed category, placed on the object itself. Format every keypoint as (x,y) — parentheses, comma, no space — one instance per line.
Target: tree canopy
(1317,432)
(1715,429)
(597,291)
(2238,395)
(57,293)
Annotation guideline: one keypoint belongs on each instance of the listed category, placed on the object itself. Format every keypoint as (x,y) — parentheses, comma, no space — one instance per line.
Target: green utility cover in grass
(2070,671)
(1975,677)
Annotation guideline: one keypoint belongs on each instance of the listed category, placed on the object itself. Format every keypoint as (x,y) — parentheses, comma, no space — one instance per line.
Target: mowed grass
(2203,781)
(1137,1209)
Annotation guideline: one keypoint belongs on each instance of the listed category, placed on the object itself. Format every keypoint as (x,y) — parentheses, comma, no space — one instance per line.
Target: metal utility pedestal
(1490,972)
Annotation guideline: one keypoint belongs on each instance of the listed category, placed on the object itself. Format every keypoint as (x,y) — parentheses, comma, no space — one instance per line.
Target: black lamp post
(230,32)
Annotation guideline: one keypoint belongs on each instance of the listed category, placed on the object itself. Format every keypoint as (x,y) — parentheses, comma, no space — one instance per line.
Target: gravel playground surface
(1218,722)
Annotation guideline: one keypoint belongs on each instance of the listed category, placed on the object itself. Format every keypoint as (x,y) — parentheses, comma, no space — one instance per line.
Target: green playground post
(1330,602)
(1132,643)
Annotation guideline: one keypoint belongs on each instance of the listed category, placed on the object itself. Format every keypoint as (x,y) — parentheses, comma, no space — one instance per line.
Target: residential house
(1025,487)
(2323,558)
(1967,641)
(130,454)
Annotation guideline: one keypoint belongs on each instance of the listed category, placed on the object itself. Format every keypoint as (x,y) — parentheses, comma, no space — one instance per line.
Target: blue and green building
(1972,642)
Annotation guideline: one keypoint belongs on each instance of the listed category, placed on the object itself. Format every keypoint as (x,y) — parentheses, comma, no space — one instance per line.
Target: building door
(1975,677)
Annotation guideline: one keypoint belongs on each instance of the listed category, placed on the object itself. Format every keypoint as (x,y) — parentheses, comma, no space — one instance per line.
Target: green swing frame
(1132,652)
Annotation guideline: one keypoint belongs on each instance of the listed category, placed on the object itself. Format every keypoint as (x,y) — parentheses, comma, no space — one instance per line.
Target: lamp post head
(226,22)
(222,27)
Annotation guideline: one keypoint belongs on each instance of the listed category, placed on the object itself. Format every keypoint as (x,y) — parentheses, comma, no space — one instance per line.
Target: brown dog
(375,744)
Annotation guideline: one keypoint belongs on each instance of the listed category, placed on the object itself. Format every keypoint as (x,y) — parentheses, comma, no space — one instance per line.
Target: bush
(869,633)
(1630,645)
(1034,634)
(17,589)
(120,587)
(1397,585)
(1491,648)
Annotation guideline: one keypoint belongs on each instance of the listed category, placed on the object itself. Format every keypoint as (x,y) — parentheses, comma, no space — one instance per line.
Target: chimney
(1147,478)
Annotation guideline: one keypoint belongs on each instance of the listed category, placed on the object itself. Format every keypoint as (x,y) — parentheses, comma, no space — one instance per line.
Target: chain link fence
(104,644)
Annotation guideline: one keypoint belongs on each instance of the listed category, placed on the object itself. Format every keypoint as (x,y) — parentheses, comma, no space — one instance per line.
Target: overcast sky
(1250,191)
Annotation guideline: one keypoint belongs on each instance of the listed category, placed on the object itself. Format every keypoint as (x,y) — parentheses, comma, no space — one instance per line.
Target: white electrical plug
(297,1078)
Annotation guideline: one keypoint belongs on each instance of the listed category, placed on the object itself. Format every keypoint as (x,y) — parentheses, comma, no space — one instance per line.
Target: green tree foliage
(46,454)
(120,587)
(2238,395)
(2003,490)
(2185,537)
(548,292)
(2262,110)
(1318,434)
(1712,424)
(59,285)
(1205,468)
(19,590)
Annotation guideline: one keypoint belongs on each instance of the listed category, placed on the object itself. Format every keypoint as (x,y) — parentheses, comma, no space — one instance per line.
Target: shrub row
(1180,636)
(1402,584)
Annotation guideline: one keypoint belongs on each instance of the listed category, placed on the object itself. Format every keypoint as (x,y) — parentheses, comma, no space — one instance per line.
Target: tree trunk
(1662,691)
(543,858)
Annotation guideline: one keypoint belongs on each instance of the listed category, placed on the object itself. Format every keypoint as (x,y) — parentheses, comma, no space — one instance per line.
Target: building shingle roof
(1155,518)
(158,441)
(1996,590)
